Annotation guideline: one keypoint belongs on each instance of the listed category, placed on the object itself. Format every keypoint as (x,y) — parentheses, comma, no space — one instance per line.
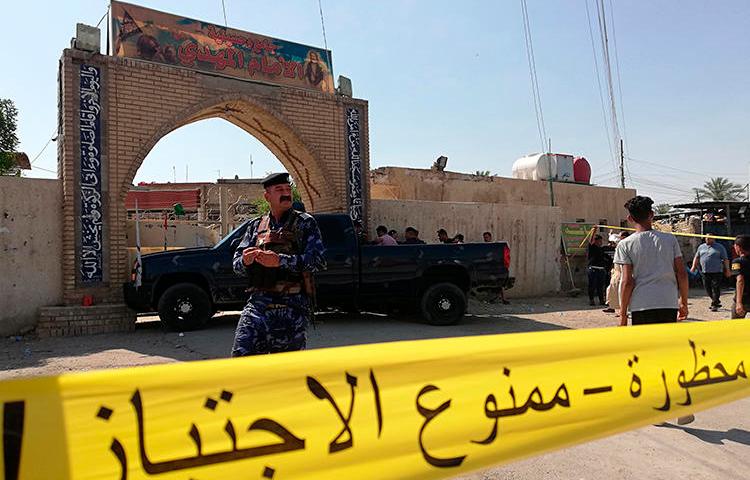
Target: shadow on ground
(151,344)
(716,437)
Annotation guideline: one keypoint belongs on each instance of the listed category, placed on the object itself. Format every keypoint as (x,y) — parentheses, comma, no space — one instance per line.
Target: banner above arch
(146,34)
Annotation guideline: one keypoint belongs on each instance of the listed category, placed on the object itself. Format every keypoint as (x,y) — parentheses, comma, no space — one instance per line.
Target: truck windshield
(233,234)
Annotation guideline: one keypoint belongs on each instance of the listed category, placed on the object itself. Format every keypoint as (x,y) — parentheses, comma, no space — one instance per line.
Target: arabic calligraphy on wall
(90,254)
(146,34)
(354,155)
(420,409)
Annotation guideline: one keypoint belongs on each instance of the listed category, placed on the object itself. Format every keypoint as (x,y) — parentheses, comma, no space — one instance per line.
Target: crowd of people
(612,268)
(386,237)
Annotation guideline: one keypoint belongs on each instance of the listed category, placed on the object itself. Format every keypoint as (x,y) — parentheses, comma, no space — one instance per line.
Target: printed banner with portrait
(145,34)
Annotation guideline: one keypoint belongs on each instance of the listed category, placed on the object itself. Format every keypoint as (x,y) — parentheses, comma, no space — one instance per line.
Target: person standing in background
(443,236)
(383,238)
(741,271)
(613,290)
(597,268)
(714,264)
(411,237)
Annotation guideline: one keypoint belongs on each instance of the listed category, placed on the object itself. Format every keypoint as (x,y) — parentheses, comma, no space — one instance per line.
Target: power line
(536,95)
(599,84)
(652,183)
(224,10)
(44,169)
(601,15)
(325,39)
(51,138)
(604,174)
(617,69)
(645,181)
(680,170)
(103,17)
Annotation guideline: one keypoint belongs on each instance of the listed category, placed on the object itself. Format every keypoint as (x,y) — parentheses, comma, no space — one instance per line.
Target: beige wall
(179,234)
(575,201)
(30,249)
(533,233)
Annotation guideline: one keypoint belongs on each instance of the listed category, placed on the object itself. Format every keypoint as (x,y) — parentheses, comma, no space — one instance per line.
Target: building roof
(22,161)
(163,199)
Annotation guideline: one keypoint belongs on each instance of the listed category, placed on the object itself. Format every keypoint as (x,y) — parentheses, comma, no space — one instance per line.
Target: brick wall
(143,101)
(76,321)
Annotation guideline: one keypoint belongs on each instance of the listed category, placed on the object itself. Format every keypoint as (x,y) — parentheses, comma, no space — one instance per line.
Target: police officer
(278,254)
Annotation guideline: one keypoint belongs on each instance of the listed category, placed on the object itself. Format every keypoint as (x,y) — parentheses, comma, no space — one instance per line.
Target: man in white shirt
(653,273)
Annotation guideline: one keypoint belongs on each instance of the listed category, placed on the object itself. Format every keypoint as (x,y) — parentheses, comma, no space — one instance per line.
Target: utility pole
(186,173)
(549,164)
(622,166)
(251,165)
(174,174)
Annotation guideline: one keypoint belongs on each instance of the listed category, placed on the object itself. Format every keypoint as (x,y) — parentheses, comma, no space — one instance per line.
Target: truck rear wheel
(184,306)
(443,304)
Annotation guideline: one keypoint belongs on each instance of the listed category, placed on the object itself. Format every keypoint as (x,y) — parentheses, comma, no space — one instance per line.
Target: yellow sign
(420,409)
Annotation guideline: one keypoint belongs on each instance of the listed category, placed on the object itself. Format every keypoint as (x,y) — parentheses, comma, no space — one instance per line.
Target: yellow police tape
(419,409)
(677,234)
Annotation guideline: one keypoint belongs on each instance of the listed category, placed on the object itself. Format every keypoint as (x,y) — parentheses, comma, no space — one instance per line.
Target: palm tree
(719,189)
(482,173)
(662,208)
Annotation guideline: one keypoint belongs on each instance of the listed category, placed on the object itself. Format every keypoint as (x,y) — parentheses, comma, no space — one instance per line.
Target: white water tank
(544,166)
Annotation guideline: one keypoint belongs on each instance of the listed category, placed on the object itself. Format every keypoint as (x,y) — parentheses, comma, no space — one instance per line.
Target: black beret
(275,179)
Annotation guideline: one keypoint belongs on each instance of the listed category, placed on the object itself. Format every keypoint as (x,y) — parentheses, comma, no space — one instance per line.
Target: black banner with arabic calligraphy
(354,166)
(147,34)
(91,250)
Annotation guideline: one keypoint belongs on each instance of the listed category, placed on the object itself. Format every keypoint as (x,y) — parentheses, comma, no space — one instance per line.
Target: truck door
(229,288)
(336,285)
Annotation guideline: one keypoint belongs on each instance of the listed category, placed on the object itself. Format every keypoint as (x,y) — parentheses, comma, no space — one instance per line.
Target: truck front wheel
(443,304)
(184,306)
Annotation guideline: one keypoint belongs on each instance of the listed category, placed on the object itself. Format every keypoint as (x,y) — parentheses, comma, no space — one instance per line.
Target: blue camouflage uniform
(276,322)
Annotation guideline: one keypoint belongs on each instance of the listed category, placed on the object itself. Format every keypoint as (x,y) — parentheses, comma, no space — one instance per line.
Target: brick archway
(138,103)
(277,133)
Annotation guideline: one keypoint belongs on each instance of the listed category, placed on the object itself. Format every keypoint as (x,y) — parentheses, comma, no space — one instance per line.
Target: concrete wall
(533,233)
(587,202)
(30,250)
(179,234)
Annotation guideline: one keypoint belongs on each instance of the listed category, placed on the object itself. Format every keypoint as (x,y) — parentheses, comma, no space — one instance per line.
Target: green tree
(262,207)
(482,173)
(8,138)
(719,189)
(662,208)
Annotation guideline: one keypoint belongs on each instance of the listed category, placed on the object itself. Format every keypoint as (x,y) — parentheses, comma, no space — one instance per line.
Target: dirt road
(715,446)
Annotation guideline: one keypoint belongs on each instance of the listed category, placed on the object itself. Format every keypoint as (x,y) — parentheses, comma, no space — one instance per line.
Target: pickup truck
(186,287)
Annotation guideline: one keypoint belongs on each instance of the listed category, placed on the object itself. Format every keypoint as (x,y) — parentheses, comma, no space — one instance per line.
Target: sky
(452,78)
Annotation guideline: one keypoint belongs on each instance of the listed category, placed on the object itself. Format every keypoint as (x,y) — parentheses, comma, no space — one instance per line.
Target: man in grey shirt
(713,262)
(653,273)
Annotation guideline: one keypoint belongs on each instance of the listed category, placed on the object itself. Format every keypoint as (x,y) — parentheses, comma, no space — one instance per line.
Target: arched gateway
(114,109)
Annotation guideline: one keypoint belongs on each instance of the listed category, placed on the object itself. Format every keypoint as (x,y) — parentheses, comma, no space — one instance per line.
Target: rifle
(308,283)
